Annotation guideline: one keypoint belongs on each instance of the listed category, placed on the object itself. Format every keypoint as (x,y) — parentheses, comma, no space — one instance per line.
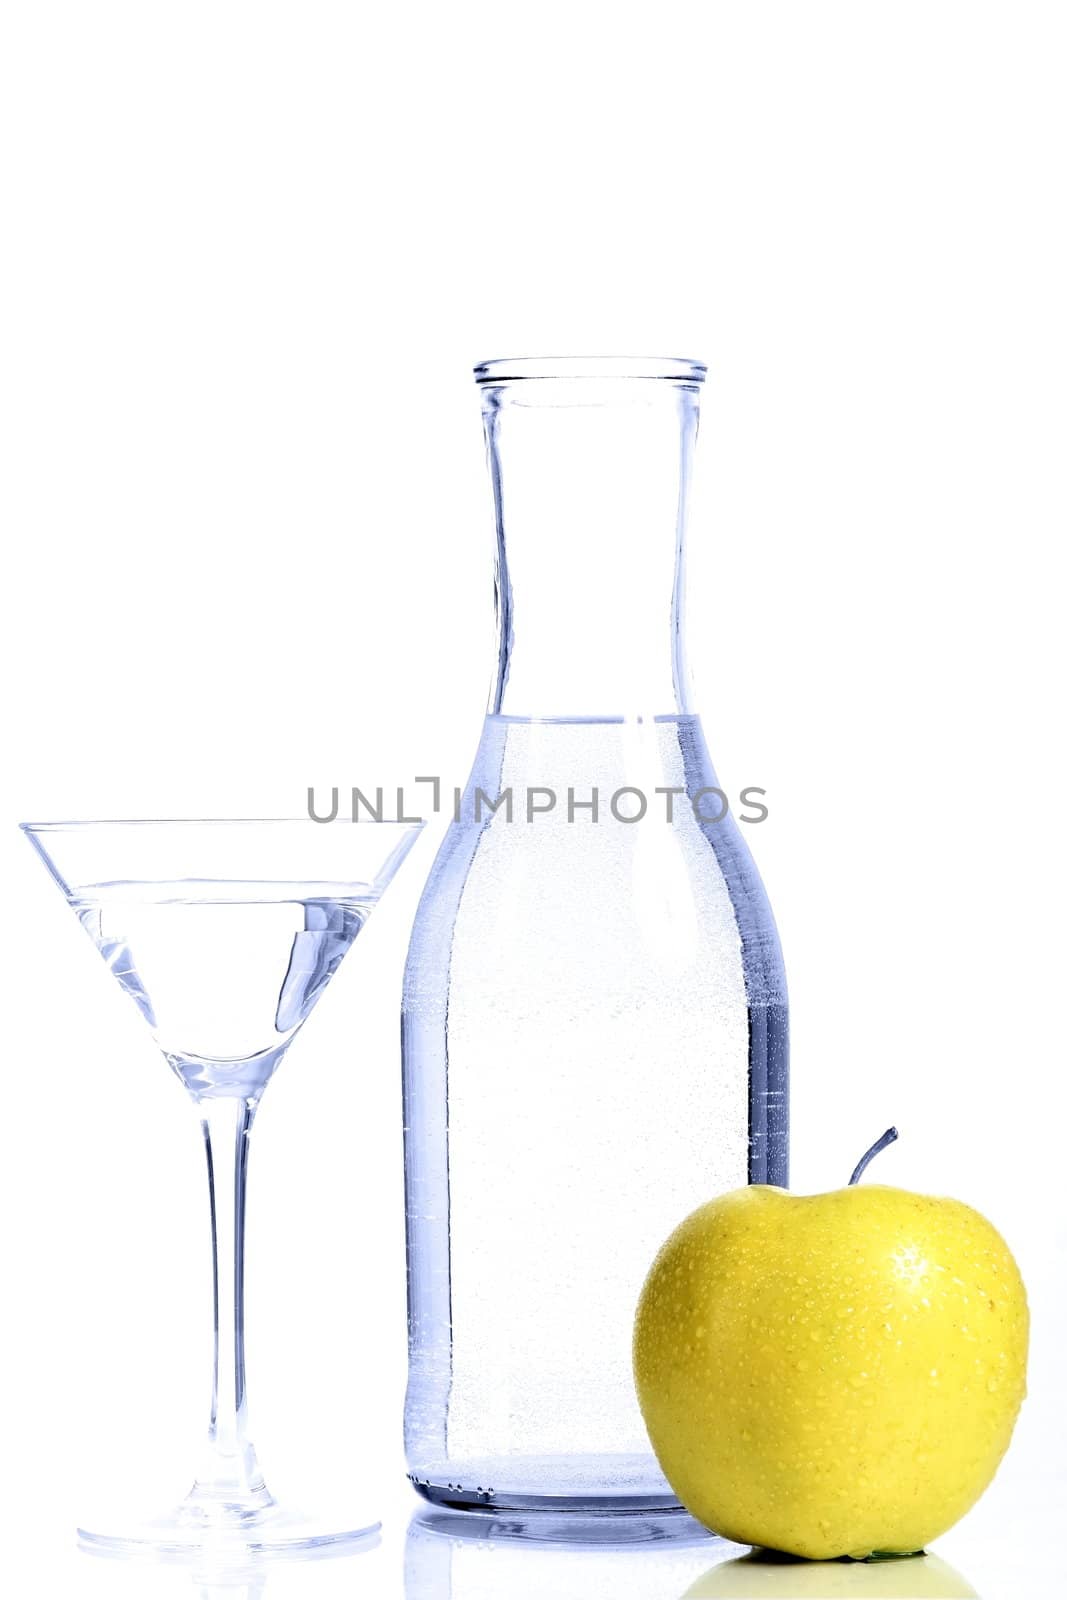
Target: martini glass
(224,934)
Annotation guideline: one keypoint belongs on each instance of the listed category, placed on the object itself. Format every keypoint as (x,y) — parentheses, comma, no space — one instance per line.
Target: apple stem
(879,1144)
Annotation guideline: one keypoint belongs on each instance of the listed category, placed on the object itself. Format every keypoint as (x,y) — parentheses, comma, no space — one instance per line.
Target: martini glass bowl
(224,934)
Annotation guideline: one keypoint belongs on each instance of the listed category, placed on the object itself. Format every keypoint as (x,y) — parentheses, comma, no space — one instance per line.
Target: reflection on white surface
(762,1574)
(237,1585)
(465,1556)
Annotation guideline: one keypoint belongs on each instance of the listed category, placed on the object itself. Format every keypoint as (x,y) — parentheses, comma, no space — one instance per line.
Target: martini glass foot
(231,1538)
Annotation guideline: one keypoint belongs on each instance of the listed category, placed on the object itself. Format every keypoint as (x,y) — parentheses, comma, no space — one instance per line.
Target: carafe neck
(590,474)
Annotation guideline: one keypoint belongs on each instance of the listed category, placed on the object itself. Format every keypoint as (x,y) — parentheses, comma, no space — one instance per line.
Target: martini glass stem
(229,1479)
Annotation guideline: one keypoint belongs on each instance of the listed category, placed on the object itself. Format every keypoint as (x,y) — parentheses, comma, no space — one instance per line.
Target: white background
(250,253)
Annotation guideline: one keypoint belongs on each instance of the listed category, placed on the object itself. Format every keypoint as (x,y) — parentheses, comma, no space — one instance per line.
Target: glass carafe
(594,1021)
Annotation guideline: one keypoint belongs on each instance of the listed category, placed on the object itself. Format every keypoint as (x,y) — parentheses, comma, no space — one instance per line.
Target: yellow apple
(831,1374)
